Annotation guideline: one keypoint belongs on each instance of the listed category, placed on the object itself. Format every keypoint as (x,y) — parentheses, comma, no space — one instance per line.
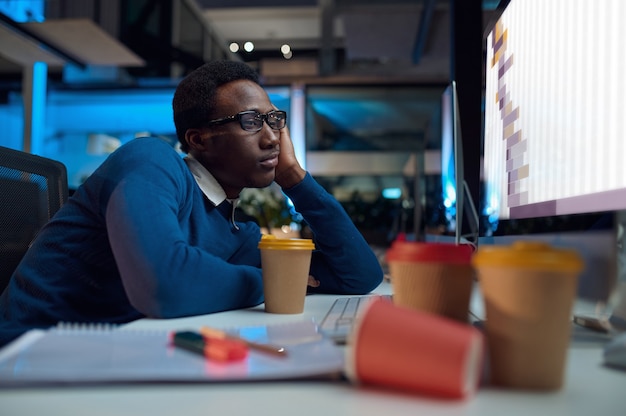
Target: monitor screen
(555,109)
(451,162)
(461,217)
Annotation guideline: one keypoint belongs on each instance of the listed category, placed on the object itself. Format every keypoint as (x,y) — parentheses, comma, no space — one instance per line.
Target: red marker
(223,350)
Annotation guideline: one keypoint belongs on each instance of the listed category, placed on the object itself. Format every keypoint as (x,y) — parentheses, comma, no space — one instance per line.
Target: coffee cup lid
(528,254)
(270,242)
(416,251)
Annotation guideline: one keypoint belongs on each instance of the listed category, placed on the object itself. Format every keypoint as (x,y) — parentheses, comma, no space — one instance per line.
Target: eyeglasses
(253,120)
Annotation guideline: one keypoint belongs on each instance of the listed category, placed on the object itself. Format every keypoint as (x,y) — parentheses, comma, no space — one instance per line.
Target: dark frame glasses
(253,120)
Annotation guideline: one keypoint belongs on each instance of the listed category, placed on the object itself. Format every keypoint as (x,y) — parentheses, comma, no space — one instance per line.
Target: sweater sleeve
(163,274)
(343,262)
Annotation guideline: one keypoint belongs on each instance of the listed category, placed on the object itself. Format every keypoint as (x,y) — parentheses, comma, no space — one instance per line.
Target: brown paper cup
(443,289)
(528,303)
(285,266)
(432,277)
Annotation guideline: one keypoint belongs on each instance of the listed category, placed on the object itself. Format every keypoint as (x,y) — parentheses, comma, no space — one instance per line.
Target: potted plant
(272,211)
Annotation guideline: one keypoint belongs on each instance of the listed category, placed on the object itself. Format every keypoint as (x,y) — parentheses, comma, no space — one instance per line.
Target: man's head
(194,100)
(226,121)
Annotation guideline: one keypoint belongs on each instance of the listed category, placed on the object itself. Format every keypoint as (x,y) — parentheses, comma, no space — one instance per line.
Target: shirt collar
(207,182)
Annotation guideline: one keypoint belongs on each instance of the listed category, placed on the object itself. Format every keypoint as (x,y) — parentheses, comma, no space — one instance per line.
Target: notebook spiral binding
(73,328)
(85,326)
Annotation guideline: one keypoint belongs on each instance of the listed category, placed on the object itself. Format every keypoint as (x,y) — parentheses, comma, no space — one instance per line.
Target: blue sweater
(140,239)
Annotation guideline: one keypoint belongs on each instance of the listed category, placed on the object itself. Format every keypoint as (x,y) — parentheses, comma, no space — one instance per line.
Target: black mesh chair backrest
(32,189)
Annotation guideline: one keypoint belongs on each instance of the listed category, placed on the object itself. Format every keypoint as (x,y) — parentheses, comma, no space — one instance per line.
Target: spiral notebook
(79,354)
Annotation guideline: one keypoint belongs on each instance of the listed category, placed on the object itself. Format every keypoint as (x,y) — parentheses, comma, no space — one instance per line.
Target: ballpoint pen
(224,350)
(212,333)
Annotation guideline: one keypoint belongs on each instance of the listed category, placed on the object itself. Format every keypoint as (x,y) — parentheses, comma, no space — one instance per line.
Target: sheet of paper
(87,355)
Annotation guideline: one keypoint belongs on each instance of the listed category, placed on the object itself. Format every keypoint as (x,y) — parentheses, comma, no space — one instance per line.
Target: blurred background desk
(589,389)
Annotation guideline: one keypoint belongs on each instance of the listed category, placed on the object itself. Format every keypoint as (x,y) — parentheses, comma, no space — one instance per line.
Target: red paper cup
(415,351)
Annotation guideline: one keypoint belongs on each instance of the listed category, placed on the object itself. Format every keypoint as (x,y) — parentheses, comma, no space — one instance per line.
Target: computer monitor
(555,117)
(555,109)
(461,216)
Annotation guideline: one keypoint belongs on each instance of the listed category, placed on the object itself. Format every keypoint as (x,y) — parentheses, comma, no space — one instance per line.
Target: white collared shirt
(209,186)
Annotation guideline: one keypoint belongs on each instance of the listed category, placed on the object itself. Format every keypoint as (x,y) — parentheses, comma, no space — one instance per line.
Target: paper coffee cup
(432,277)
(529,289)
(407,349)
(285,266)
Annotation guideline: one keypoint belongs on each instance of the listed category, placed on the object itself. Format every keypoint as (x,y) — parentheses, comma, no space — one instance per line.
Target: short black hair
(194,98)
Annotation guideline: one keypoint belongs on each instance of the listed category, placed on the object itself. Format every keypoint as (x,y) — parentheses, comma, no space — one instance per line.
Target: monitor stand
(618,298)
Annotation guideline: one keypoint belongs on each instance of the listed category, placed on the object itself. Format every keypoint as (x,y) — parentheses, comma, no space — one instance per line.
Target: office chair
(32,189)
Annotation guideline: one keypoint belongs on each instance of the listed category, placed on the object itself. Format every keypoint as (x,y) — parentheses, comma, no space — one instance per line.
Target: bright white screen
(555,109)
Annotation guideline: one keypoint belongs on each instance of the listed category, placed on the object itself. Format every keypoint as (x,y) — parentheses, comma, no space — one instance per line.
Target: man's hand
(289,173)
(313,282)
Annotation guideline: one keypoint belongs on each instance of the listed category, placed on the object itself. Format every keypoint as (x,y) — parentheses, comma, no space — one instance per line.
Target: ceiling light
(285,49)
(234,47)
(248,46)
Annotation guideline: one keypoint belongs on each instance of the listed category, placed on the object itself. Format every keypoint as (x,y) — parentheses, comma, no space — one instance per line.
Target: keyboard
(340,318)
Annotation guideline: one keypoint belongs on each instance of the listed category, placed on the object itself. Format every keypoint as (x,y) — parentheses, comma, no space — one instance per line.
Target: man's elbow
(363,283)
(157,303)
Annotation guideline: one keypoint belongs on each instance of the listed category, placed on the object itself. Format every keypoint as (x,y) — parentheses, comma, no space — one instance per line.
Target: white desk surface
(590,388)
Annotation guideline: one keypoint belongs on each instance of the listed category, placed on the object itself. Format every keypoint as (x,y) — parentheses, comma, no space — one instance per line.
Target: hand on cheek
(288,172)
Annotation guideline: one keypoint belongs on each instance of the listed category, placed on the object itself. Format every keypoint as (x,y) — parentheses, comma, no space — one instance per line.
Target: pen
(224,350)
(212,333)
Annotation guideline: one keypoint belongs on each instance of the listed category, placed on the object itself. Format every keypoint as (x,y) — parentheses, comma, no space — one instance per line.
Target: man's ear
(195,139)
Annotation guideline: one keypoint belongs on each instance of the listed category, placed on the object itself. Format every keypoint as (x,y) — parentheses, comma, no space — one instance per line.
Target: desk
(590,389)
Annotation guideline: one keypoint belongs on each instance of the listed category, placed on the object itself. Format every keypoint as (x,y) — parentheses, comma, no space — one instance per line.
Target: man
(150,234)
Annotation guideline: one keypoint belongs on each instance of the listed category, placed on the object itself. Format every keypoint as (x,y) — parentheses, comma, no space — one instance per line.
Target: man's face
(235,157)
